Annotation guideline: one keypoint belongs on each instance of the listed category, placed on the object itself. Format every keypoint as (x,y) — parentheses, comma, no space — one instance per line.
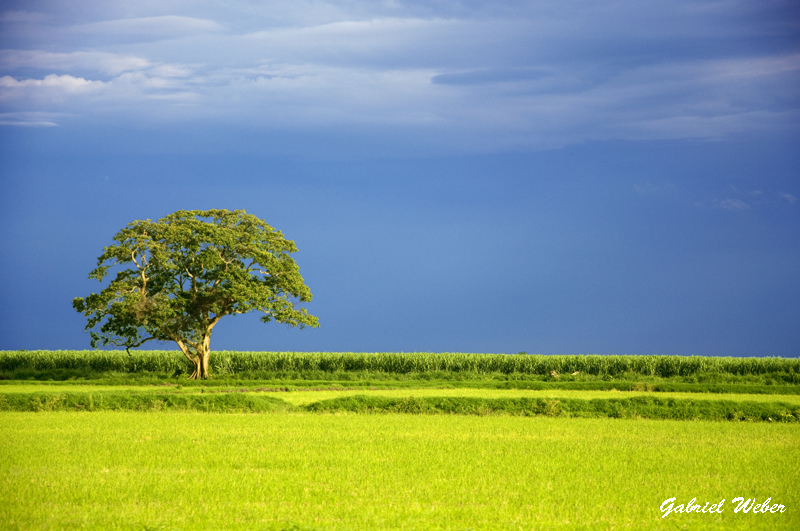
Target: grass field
(338,449)
(124,470)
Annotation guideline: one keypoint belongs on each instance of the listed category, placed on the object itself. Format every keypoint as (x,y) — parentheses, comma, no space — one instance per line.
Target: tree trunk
(205,373)
(200,362)
(198,368)
(199,359)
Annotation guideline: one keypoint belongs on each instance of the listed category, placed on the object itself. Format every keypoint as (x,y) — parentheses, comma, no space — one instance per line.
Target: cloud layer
(472,75)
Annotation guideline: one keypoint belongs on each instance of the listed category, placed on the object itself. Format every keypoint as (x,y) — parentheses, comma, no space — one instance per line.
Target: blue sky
(550,177)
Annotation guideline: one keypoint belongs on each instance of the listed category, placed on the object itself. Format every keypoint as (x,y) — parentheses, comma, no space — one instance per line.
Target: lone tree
(183,273)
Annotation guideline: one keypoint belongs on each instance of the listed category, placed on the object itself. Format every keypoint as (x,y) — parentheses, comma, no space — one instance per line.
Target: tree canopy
(178,276)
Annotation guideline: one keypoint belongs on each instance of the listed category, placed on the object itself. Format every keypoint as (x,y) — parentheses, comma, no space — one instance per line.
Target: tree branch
(128,346)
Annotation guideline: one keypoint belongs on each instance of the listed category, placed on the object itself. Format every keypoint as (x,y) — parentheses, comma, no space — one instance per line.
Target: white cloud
(51,95)
(66,83)
(144,81)
(731,204)
(554,107)
(30,119)
(39,123)
(525,77)
(109,63)
(789,197)
(170,71)
(161,27)
(353,39)
(732,69)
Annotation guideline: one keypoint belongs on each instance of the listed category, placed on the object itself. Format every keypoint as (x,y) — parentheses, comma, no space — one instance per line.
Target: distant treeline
(235,363)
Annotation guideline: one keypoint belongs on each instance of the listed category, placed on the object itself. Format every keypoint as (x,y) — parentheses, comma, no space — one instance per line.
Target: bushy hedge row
(635,407)
(229,362)
(127,401)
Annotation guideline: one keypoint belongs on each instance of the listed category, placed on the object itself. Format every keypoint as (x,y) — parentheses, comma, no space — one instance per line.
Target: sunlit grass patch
(271,471)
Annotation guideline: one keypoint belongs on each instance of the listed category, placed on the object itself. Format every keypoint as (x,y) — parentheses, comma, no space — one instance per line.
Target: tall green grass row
(230,362)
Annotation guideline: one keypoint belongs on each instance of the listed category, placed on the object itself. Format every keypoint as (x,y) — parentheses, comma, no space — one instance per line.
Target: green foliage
(423,365)
(178,276)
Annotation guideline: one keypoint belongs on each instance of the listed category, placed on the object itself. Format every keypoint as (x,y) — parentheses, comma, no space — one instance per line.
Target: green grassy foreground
(353,441)
(307,471)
